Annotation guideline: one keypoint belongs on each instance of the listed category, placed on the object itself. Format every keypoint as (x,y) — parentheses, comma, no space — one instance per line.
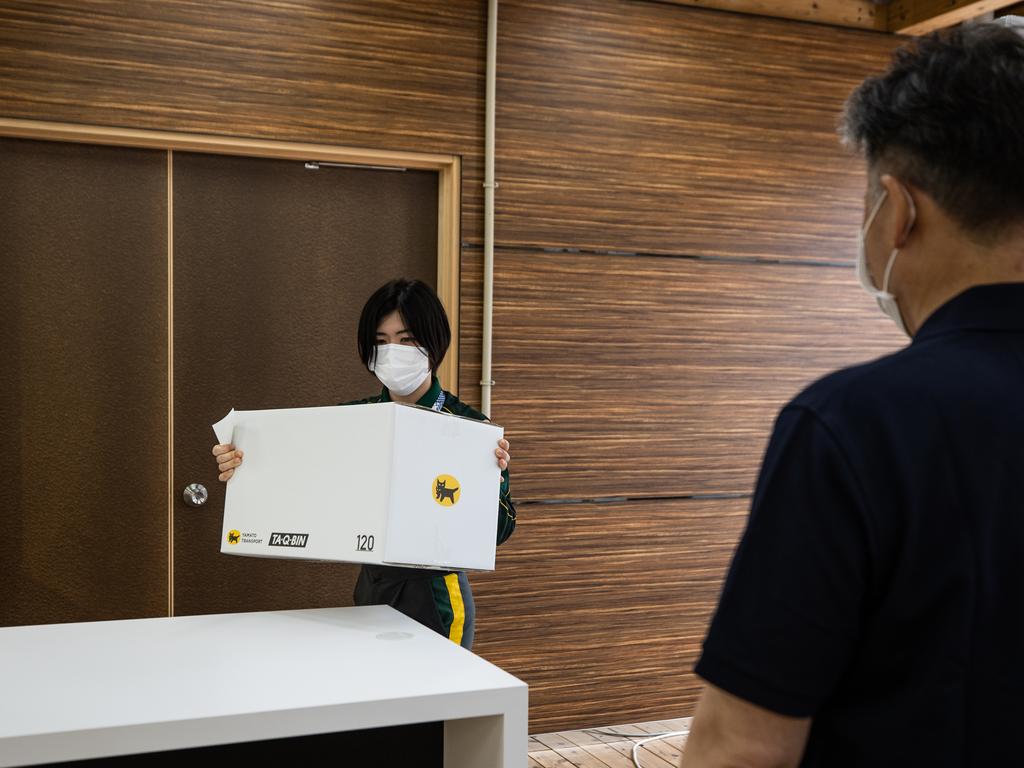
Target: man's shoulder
(887,379)
(456,407)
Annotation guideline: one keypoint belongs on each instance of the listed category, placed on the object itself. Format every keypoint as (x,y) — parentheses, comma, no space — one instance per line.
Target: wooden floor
(591,749)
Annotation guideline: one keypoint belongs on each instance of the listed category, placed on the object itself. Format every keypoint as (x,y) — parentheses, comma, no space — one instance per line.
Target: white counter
(76,691)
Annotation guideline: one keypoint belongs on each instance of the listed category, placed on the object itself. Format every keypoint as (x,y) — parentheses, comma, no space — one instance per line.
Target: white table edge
(45,747)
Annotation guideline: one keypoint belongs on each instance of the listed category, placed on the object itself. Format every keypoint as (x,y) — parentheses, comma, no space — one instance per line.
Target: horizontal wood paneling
(656,376)
(397,75)
(602,608)
(649,127)
(83,383)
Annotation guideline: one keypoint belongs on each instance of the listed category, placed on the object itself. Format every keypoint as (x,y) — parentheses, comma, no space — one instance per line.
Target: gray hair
(948,118)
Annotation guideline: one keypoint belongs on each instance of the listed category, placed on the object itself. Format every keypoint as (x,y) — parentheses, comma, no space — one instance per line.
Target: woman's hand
(228,460)
(504,457)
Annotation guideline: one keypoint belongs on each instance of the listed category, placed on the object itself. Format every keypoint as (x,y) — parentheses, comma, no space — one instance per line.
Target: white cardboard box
(383,483)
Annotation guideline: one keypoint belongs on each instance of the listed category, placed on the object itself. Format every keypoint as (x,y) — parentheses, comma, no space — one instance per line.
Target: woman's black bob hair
(421,310)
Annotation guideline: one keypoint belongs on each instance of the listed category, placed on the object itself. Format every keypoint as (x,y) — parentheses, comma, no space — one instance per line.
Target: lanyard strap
(439,403)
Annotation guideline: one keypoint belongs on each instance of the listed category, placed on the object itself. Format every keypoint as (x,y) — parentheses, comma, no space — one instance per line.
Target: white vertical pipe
(486,382)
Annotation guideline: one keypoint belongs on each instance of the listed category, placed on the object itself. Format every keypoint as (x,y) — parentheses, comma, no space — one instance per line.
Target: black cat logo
(446,490)
(234,537)
(445,493)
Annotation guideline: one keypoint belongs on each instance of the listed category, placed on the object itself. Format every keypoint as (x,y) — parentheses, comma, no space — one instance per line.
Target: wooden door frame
(449,173)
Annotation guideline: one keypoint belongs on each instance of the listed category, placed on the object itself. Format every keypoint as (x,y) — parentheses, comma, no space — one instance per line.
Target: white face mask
(886,301)
(399,367)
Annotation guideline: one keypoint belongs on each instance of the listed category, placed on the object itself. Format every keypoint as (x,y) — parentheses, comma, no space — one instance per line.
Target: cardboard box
(383,483)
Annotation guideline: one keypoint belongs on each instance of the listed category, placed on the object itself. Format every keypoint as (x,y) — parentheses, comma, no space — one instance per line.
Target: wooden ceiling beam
(857,14)
(903,17)
(919,17)
(922,16)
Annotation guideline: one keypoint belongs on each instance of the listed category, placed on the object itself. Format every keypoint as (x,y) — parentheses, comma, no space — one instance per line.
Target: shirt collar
(428,399)
(997,307)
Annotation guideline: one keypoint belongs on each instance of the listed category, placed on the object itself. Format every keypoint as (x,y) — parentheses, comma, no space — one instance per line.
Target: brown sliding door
(83,382)
(272,264)
(144,293)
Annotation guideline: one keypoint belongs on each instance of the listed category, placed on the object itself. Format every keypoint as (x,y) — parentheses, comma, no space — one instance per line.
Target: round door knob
(195,495)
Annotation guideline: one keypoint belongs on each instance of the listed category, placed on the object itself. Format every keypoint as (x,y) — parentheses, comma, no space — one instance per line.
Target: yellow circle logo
(447,490)
(234,537)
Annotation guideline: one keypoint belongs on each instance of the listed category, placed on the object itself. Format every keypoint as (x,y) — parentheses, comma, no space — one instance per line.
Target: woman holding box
(403,336)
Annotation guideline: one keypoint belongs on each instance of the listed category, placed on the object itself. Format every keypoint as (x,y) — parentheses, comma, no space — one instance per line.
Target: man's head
(943,135)
(948,119)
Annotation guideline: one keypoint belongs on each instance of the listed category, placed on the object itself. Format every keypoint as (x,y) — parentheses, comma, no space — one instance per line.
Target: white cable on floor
(603,732)
(645,738)
(658,737)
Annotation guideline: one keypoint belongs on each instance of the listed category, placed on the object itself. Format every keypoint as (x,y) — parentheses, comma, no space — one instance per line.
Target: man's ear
(902,213)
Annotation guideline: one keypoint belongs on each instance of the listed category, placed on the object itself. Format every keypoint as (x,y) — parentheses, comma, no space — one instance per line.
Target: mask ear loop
(888,271)
(906,233)
(874,212)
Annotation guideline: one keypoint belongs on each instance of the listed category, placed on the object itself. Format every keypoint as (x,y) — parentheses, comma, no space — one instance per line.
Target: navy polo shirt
(879,585)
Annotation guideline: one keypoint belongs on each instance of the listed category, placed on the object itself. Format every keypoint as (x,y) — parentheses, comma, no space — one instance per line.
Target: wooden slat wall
(659,376)
(603,607)
(401,74)
(676,226)
(649,127)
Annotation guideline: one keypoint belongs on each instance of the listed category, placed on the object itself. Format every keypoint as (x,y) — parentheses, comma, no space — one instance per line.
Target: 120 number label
(364,543)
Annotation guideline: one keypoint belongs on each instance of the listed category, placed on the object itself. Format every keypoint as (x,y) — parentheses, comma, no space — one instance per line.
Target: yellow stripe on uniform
(458,608)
